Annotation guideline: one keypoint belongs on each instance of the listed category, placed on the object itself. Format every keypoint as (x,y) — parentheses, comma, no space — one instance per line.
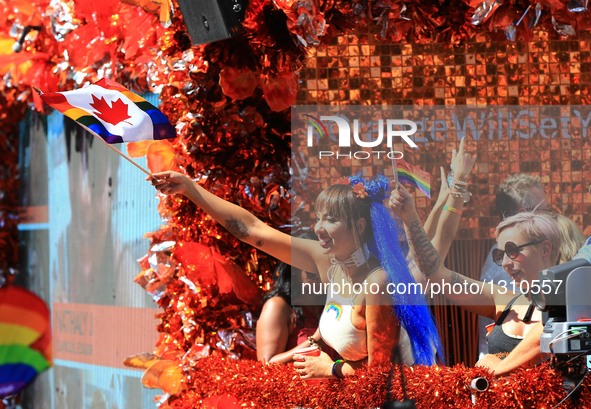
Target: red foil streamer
(252,384)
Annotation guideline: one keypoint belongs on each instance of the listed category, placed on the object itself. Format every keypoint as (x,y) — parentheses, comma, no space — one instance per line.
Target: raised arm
(435,213)
(300,253)
(462,164)
(481,302)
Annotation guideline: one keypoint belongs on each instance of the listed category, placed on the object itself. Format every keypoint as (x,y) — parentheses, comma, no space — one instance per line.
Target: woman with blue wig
(359,264)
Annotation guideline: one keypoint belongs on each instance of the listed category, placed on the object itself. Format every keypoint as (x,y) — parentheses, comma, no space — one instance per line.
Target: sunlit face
(530,260)
(334,236)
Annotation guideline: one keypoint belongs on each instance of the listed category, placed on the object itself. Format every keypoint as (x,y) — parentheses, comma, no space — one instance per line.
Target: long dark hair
(282,288)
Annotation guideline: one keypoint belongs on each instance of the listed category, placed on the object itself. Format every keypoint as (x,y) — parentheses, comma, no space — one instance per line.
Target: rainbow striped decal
(315,124)
(19,365)
(414,176)
(334,309)
(112,112)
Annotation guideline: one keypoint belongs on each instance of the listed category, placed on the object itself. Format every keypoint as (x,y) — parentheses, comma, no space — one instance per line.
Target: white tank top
(339,333)
(337,330)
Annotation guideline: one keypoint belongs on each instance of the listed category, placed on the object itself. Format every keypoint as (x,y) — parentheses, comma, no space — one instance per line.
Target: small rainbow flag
(414,176)
(113,112)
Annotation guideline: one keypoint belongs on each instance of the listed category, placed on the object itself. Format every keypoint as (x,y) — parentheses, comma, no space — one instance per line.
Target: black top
(498,341)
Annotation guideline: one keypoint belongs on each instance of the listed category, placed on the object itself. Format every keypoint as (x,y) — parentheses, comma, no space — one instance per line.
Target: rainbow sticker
(315,124)
(335,309)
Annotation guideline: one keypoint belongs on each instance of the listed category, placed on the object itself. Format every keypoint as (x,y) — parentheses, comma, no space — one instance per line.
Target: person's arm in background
(435,213)
(430,262)
(444,219)
(273,328)
(462,164)
(527,352)
(287,356)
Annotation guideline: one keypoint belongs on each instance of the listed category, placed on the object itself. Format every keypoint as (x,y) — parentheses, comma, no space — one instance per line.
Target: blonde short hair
(535,226)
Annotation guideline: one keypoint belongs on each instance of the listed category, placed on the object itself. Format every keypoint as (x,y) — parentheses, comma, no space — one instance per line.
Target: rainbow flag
(414,176)
(25,338)
(112,112)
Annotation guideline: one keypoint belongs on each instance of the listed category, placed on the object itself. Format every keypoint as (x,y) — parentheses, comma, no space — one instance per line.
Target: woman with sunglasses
(528,242)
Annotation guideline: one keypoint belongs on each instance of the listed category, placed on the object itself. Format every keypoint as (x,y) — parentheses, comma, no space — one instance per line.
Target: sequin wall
(546,71)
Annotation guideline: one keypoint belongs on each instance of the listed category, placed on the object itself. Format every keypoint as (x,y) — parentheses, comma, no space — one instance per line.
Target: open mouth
(325,241)
(516,275)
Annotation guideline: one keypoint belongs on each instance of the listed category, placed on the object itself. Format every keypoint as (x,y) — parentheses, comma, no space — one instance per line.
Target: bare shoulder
(502,298)
(376,289)
(276,306)
(377,276)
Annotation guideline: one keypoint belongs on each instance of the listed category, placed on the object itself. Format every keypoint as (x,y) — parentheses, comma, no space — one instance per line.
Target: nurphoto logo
(368,134)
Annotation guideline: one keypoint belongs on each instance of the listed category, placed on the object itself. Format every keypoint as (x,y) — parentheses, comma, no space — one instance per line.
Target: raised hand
(402,203)
(170,182)
(462,162)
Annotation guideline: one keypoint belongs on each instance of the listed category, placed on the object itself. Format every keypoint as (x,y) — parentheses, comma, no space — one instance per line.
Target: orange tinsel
(253,384)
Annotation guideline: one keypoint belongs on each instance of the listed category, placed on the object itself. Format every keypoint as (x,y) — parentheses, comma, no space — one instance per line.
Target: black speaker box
(208,21)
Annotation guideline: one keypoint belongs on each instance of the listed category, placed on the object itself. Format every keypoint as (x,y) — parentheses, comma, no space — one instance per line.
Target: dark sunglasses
(512,250)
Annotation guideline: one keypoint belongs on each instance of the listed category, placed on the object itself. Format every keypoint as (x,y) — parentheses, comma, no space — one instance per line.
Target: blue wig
(410,309)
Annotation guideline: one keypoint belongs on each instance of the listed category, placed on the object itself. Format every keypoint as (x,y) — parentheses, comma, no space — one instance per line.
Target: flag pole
(124,156)
(394,171)
(108,144)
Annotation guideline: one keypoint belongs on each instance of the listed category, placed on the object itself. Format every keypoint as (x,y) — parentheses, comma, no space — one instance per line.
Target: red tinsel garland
(275,39)
(234,139)
(252,384)
(241,144)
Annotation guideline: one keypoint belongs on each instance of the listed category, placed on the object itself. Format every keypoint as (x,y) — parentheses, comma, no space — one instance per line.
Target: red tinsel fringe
(252,384)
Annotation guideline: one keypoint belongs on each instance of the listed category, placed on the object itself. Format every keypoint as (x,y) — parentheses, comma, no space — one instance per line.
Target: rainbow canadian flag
(112,112)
